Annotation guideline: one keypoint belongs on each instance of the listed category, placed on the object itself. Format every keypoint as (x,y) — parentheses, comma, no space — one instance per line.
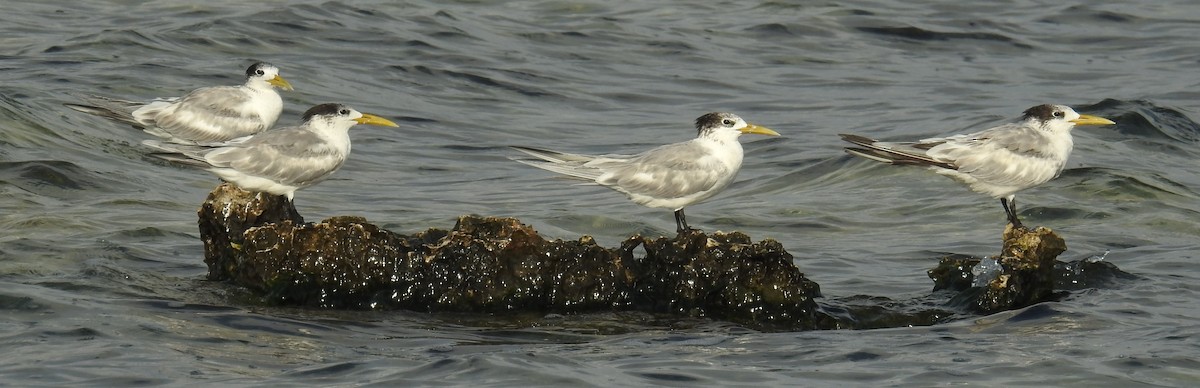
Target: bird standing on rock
(671,176)
(997,161)
(282,160)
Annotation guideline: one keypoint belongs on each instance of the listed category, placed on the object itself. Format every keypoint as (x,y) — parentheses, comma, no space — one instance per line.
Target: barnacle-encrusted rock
(226,213)
(1027,273)
(488,264)
(498,265)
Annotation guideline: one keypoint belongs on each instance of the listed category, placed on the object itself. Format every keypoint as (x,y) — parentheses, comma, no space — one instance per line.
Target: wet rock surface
(498,265)
(226,214)
(1025,273)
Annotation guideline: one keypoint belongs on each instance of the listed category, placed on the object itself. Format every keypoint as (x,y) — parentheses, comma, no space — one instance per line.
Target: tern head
(263,72)
(341,117)
(722,123)
(1060,118)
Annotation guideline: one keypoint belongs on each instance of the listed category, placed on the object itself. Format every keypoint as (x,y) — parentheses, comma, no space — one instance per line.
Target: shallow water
(101,280)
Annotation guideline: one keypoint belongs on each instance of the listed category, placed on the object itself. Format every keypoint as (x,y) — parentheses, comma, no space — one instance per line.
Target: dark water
(101,275)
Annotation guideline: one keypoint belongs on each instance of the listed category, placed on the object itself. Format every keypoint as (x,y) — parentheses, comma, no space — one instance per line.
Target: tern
(671,176)
(999,161)
(209,114)
(281,160)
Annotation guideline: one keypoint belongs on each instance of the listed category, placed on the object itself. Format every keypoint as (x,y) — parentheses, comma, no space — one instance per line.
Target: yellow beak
(371,119)
(279,82)
(751,128)
(1092,120)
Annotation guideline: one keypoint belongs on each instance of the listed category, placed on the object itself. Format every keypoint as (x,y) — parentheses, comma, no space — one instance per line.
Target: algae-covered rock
(1090,272)
(226,213)
(496,265)
(1026,272)
(724,276)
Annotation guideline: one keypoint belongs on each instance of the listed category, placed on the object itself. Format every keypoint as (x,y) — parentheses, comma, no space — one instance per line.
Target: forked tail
(893,153)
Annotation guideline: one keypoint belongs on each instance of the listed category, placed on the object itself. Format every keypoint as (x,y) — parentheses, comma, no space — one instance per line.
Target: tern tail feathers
(894,153)
(571,165)
(553,156)
(180,159)
(571,169)
(857,140)
(191,155)
(109,108)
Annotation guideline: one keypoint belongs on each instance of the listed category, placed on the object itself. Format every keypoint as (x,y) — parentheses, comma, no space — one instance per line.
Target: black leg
(290,203)
(1010,209)
(681,222)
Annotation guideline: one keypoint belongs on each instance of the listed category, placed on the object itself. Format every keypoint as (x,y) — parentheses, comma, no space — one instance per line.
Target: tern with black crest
(205,115)
(278,161)
(671,176)
(999,161)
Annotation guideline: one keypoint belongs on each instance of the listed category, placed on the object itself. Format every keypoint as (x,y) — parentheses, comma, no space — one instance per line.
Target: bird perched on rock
(209,114)
(671,176)
(282,160)
(997,161)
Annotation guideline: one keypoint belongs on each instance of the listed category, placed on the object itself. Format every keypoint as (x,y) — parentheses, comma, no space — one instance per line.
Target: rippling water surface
(101,275)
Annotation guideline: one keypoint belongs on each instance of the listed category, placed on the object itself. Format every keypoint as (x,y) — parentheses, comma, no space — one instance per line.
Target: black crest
(709,120)
(254,69)
(1042,113)
(325,110)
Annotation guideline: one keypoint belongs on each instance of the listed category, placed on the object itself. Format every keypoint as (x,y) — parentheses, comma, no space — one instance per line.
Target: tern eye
(344,112)
(727,122)
(260,72)
(1059,113)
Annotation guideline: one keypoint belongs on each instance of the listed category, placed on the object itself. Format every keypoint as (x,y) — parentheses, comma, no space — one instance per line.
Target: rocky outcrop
(1024,273)
(498,266)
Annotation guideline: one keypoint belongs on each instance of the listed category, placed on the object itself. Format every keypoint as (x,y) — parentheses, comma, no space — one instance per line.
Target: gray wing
(1016,138)
(204,115)
(670,171)
(1002,155)
(290,155)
